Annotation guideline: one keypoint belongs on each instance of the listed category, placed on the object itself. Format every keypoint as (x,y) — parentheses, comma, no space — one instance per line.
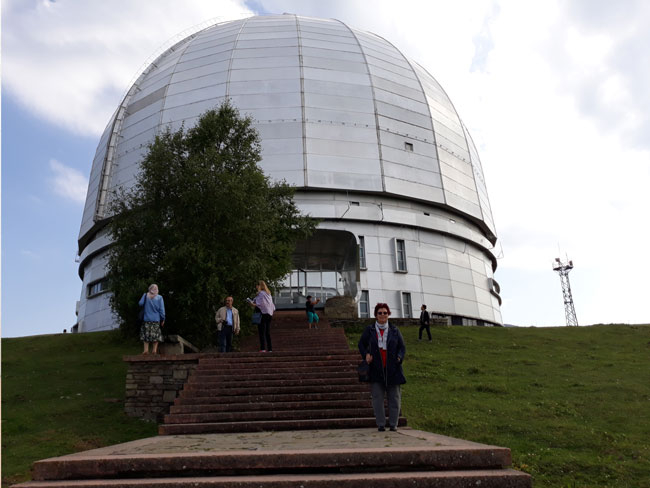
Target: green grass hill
(573,404)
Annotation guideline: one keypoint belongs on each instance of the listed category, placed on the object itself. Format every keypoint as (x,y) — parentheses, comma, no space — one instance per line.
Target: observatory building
(370,141)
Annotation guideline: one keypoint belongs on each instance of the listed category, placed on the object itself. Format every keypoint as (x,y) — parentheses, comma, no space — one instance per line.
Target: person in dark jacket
(382,346)
(424,323)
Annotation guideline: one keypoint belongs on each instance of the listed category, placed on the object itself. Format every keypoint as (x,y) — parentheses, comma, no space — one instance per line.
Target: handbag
(257,318)
(364,371)
(141,315)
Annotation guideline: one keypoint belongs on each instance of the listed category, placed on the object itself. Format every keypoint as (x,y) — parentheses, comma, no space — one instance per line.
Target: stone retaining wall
(153,382)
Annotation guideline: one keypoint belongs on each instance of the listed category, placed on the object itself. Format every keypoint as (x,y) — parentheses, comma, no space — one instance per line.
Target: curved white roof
(336,108)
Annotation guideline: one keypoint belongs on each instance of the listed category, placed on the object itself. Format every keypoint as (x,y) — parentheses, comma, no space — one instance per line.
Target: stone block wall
(153,382)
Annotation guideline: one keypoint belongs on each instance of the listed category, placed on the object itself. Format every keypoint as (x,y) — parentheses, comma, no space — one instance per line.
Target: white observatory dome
(367,136)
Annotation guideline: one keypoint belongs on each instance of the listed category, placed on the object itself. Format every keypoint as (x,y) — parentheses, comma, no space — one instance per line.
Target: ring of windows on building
(97,287)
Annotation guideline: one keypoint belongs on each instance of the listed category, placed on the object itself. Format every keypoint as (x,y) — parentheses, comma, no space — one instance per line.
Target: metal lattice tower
(563,270)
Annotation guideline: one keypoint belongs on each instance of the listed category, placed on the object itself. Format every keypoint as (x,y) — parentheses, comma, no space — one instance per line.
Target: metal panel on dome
(333,115)
(217,63)
(274,163)
(195,95)
(283,42)
(186,112)
(151,87)
(264,52)
(338,88)
(203,82)
(480,184)
(137,134)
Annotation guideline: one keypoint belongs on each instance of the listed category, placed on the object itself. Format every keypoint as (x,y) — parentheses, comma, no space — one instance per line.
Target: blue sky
(554,94)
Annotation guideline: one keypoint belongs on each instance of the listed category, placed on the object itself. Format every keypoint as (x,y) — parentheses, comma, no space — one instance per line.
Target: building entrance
(325,265)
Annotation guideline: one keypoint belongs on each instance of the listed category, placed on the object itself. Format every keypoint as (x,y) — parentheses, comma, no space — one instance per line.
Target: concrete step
(273,367)
(270,405)
(257,354)
(424,479)
(235,376)
(262,415)
(272,357)
(273,425)
(236,391)
(274,397)
(277,383)
(245,462)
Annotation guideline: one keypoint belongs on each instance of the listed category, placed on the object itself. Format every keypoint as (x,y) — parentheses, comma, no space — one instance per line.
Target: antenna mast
(563,270)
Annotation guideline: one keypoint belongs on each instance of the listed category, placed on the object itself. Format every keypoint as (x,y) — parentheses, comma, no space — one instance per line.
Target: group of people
(381,344)
(227,318)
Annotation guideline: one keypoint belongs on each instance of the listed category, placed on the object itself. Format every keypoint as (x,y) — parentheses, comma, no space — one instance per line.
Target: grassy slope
(63,393)
(573,404)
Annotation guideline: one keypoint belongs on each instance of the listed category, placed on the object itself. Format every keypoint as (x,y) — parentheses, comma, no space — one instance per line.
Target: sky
(554,93)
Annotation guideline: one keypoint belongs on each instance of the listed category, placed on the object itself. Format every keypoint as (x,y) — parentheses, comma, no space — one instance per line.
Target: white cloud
(70,62)
(29,254)
(68,182)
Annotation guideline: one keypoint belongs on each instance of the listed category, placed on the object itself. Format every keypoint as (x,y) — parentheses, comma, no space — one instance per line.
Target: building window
(408,146)
(400,255)
(97,287)
(406,305)
(362,252)
(364,305)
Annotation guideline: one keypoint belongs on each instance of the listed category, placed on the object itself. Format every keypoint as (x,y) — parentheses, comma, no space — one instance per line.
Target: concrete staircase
(309,381)
(293,418)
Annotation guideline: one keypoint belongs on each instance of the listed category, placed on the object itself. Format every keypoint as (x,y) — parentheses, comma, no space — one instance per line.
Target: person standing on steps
(153,320)
(264,302)
(382,346)
(312,316)
(227,318)
(424,323)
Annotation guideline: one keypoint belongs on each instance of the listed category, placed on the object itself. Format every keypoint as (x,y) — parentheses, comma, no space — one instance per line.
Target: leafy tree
(203,222)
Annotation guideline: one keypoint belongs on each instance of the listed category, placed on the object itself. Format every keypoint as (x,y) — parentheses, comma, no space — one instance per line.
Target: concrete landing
(346,455)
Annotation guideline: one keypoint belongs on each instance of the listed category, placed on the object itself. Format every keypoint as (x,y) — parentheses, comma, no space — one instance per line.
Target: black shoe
(393,429)
(381,429)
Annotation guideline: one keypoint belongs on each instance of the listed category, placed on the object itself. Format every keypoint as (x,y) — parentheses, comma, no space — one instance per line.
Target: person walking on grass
(153,319)
(382,346)
(312,316)
(227,318)
(424,323)
(264,302)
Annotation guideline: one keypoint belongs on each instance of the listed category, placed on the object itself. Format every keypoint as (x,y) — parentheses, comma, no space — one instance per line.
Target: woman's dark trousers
(264,330)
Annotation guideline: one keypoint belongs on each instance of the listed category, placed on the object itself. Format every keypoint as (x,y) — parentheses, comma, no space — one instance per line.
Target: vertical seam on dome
(303,123)
(107,165)
(162,110)
(433,131)
(465,136)
(470,140)
(374,103)
(461,125)
(232,54)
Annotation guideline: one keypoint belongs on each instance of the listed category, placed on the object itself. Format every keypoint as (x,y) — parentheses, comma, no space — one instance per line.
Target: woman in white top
(264,302)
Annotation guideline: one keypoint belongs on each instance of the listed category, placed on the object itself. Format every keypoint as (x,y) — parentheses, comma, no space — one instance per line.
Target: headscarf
(153,291)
